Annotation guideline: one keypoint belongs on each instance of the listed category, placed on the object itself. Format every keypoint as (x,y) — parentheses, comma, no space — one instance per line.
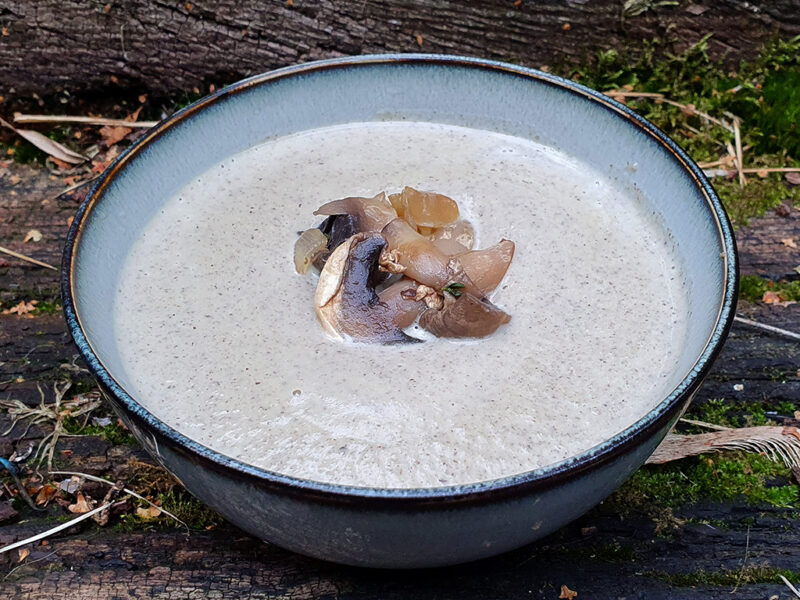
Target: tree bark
(169,45)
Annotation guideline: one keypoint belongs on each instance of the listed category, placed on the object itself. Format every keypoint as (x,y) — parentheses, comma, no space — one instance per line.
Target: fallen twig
(126,490)
(86,120)
(791,587)
(768,328)
(33,261)
(713,426)
(63,526)
(737,136)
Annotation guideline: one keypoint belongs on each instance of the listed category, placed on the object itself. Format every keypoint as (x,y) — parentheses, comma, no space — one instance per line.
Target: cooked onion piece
(466,317)
(424,209)
(487,267)
(372,213)
(423,261)
(346,303)
(311,244)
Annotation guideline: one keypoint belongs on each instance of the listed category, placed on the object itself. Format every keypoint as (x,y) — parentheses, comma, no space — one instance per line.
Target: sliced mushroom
(346,302)
(400,301)
(466,317)
(423,261)
(460,231)
(450,246)
(487,267)
(338,228)
(424,209)
(372,214)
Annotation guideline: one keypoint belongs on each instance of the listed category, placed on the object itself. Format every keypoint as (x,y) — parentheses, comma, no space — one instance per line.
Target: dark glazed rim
(524,483)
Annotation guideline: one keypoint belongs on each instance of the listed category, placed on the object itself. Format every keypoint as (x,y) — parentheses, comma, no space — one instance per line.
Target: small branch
(737,136)
(713,426)
(768,328)
(773,170)
(791,587)
(38,263)
(62,527)
(84,120)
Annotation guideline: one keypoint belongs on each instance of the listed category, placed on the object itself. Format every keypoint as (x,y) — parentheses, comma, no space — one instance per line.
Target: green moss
(113,433)
(786,408)
(181,504)
(753,288)
(764,94)
(757,197)
(47,307)
(715,411)
(728,578)
(712,477)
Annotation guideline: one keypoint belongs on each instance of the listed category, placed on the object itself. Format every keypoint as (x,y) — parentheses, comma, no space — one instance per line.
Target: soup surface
(219,338)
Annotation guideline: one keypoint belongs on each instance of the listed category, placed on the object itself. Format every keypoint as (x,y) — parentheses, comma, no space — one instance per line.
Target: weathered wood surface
(172,45)
(614,558)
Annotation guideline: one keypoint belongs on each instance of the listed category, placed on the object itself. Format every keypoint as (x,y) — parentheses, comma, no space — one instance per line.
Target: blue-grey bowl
(393,527)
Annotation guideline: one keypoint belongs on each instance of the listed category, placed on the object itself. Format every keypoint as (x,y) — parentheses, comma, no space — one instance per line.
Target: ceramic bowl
(409,527)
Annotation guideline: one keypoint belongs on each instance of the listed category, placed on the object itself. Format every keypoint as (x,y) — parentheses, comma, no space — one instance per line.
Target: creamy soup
(219,339)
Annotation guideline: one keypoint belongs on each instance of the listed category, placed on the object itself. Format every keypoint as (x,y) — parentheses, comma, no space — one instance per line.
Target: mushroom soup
(219,337)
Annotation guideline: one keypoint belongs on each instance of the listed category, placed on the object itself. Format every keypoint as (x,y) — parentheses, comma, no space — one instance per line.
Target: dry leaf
(14,179)
(45,495)
(21,308)
(23,554)
(763,173)
(45,144)
(567,593)
(81,506)
(151,512)
(689,110)
(789,242)
(134,116)
(419,40)
(33,235)
(771,298)
(793,178)
(113,135)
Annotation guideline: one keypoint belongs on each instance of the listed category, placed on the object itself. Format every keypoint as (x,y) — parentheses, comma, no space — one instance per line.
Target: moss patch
(753,477)
(753,288)
(750,574)
(113,433)
(764,94)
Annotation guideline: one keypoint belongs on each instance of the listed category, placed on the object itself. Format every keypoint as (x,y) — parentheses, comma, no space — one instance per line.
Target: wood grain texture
(168,45)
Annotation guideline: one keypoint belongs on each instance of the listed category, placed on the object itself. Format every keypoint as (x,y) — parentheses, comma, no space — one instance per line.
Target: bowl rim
(535,480)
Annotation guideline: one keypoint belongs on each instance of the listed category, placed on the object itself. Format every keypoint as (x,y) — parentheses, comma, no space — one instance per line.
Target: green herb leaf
(454,289)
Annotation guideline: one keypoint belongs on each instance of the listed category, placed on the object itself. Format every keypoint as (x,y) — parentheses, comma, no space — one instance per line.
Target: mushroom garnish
(423,261)
(346,302)
(372,214)
(387,263)
(466,317)
(461,231)
(487,267)
(424,209)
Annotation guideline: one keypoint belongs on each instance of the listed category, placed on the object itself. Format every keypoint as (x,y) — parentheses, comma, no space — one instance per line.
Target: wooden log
(174,45)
